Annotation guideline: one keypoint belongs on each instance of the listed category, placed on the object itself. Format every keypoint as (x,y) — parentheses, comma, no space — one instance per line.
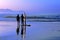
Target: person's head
(17,14)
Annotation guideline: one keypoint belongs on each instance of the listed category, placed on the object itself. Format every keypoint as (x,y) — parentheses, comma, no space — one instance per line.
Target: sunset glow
(32,6)
(27,4)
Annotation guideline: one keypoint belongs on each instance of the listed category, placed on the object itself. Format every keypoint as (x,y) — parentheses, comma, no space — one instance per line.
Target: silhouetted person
(18,24)
(18,18)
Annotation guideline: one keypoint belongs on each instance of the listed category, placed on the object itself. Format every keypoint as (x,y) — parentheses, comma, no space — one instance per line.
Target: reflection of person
(17,31)
(18,24)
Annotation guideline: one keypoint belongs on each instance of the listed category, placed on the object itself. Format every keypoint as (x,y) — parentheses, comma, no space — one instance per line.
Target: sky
(33,6)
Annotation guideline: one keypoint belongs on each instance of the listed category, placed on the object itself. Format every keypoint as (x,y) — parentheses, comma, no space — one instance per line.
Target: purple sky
(33,6)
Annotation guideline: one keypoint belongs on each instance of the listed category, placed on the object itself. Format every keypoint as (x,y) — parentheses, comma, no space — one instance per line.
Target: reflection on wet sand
(23,36)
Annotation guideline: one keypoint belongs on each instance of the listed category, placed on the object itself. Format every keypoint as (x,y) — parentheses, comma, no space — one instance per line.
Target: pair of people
(18,24)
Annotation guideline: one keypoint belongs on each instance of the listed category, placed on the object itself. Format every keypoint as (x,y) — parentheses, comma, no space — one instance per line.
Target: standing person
(22,24)
(18,24)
